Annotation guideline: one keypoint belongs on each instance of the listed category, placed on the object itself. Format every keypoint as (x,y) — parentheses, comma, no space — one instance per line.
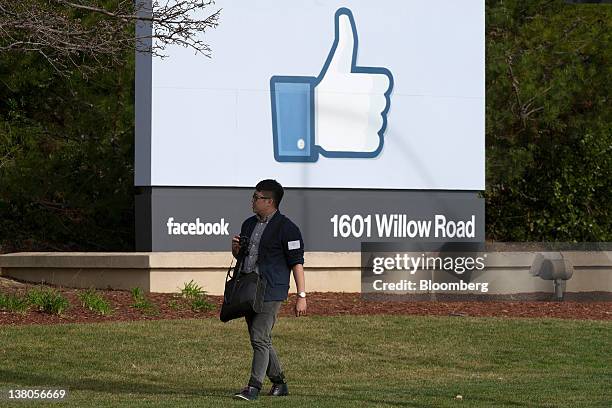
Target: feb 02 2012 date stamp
(17,394)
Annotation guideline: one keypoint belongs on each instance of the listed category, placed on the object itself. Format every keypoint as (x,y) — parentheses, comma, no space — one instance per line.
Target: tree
(66,136)
(90,34)
(549,138)
(66,157)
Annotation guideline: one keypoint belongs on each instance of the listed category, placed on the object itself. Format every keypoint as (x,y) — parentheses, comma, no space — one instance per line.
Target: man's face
(262,202)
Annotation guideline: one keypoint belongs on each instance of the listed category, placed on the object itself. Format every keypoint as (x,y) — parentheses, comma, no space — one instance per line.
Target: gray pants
(265,360)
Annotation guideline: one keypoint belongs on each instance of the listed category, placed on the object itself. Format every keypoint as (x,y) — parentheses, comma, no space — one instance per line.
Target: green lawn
(351,361)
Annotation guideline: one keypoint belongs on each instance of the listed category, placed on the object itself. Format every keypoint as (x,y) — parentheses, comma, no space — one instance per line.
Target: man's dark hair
(273,187)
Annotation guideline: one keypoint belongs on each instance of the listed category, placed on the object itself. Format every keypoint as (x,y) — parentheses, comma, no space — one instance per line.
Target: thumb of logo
(340,113)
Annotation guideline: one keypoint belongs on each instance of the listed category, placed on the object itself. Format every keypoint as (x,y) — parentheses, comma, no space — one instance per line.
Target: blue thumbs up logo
(340,113)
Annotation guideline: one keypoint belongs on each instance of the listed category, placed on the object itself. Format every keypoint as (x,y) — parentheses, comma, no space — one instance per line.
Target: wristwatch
(302,295)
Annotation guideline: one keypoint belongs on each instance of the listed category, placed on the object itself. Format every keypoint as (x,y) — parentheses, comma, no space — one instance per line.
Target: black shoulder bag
(244,293)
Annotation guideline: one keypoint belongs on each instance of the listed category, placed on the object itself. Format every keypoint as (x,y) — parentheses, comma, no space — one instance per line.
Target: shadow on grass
(124,387)
(349,394)
(426,398)
(111,387)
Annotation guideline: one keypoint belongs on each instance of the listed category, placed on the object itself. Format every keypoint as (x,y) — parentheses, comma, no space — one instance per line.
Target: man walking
(275,249)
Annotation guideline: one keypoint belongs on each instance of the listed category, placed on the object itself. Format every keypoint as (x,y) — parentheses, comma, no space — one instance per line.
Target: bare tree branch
(524,108)
(90,35)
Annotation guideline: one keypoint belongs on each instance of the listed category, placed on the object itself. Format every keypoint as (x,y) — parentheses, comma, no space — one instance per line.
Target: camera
(244,246)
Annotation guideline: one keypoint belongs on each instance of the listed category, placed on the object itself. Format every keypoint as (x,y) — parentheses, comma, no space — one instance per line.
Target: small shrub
(47,300)
(191,290)
(201,305)
(196,297)
(175,304)
(95,302)
(12,302)
(142,303)
(137,294)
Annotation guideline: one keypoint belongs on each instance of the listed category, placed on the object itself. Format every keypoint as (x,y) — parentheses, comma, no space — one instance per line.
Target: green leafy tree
(66,145)
(549,121)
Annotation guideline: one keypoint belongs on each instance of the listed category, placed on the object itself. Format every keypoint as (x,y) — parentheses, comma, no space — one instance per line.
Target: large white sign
(382,94)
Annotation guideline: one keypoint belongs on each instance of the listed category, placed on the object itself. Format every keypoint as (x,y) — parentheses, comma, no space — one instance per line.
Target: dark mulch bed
(319,304)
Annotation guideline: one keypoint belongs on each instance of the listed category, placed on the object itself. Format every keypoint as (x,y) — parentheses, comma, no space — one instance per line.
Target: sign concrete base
(167,272)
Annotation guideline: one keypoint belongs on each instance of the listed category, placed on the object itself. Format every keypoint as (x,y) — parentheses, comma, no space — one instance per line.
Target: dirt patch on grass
(173,306)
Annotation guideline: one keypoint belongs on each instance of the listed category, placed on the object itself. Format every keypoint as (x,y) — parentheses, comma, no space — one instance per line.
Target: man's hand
(300,307)
(235,245)
(298,275)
